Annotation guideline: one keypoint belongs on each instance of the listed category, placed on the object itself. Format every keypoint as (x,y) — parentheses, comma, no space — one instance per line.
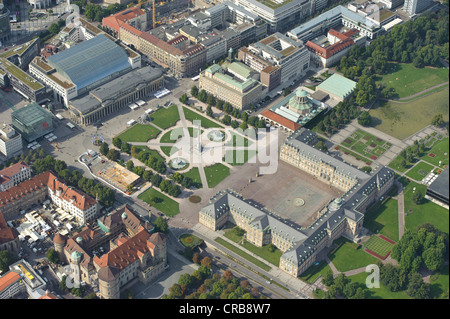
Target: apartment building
(14,175)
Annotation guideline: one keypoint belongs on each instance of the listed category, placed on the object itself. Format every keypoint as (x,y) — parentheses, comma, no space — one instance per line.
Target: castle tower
(108,282)
(59,241)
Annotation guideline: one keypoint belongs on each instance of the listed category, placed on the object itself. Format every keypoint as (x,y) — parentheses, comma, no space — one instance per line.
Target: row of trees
(95,12)
(341,287)
(339,116)
(228,109)
(104,194)
(201,285)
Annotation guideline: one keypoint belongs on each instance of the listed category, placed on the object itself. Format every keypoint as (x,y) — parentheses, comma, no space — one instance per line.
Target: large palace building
(343,217)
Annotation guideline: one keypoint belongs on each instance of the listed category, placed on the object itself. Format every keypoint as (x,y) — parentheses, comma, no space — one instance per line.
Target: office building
(32,122)
(10,142)
(279,15)
(413,7)
(5,27)
(234,83)
(277,50)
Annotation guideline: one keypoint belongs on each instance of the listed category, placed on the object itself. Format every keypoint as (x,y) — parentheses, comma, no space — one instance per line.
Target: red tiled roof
(13,169)
(30,185)
(7,233)
(281,120)
(46,179)
(8,279)
(160,43)
(127,252)
(48,295)
(113,20)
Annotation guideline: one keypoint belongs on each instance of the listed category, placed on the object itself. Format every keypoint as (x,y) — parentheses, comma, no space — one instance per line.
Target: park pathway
(407,99)
(401,210)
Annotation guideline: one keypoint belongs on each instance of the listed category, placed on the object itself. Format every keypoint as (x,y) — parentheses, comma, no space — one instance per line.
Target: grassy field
(243,254)
(205,122)
(401,120)
(314,271)
(153,153)
(441,150)
(408,80)
(419,171)
(238,157)
(426,212)
(348,257)
(357,156)
(168,149)
(439,284)
(216,173)
(382,218)
(264,252)
(378,245)
(168,206)
(189,240)
(139,133)
(377,293)
(195,176)
(396,164)
(238,139)
(165,118)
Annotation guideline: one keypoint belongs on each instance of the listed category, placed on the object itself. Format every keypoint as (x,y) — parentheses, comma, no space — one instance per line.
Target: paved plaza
(291,194)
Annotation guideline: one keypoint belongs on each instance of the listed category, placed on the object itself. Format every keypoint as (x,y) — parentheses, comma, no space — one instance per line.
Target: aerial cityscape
(224,149)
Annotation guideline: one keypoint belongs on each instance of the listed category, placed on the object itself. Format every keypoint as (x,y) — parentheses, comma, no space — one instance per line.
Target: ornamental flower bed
(387,239)
(431,155)
(376,255)
(373,157)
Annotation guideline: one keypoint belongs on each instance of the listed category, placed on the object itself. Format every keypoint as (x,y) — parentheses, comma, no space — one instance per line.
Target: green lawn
(189,240)
(401,120)
(378,245)
(264,252)
(357,156)
(396,164)
(440,150)
(427,212)
(168,149)
(382,218)
(238,157)
(439,284)
(153,153)
(139,133)
(173,135)
(165,118)
(377,293)
(419,171)
(348,257)
(205,122)
(314,271)
(167,205)
(194,174)
(408,80)
(216,173)
(243,254)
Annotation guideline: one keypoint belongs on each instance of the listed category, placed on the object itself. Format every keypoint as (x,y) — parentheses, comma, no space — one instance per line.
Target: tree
(417,288)
(328,279)
(6,259)
(433,258)
(113,155)
(104,148)
(156,179)
(417,197)
(194,91)
(130,165)
(184,98)
(211,100)
(437,120)
(202,96)
(54,28)
(364,119)
(206,262)
(117,142)
(321,145)
(125,147)
(161,225)
(52,256)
